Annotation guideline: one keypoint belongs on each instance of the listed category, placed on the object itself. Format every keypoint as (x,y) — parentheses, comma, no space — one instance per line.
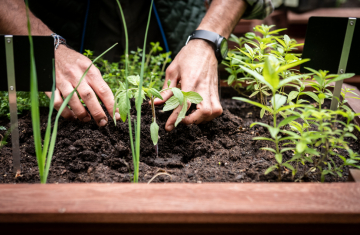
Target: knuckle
(86,93)
(170,71)
(97,113)
(217,111)
(103,90)
(207,111)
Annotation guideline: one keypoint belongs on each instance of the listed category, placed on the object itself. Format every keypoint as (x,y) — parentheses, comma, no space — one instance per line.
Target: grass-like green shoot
(44,154)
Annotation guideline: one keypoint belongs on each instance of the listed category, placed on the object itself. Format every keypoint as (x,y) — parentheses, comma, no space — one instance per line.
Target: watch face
(224,48)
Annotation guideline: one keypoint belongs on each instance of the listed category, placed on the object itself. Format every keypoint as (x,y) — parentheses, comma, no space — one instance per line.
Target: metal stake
(12,103)
(343,61)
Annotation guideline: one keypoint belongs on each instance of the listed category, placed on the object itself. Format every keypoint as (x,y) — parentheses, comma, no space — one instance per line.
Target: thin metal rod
(10,66)
(343,61)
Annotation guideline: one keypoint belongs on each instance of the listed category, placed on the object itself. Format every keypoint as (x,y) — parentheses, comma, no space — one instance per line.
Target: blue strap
(84,29)
(161,28)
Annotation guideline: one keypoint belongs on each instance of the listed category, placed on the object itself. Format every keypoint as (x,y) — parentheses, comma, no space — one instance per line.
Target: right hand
(70,66)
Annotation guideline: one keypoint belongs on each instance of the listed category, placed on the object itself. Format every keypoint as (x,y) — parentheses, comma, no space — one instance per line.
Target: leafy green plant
(318,137)
(252,53)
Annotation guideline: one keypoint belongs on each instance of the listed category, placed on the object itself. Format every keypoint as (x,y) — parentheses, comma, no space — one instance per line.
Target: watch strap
(58,40)
(204,34)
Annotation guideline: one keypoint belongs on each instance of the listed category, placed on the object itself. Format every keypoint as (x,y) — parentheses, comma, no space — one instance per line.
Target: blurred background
(294,15)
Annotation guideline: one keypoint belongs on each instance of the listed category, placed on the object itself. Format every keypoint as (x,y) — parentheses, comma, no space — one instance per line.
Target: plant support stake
(343,61)
(9,49)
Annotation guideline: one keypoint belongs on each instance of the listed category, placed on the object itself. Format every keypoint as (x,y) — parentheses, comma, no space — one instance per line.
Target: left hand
(196,68)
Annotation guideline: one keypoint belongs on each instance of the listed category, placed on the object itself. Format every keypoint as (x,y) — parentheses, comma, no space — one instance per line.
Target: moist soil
(221,150)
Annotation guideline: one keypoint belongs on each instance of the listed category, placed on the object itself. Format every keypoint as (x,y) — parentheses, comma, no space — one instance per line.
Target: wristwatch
(58,40)
(221,45)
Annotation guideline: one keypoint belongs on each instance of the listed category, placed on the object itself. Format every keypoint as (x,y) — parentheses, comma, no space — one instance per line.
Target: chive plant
(44,151)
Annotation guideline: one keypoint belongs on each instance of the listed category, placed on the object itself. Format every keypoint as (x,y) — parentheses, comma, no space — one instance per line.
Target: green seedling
(181,98)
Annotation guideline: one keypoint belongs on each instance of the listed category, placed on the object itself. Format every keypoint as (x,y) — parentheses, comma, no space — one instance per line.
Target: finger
(88,96)
(103,91)
(216,108)
(170,124)
(172,75)
(58,101)
(77,107)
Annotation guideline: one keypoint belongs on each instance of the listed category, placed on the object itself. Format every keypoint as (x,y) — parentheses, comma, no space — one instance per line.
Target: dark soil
(219,151)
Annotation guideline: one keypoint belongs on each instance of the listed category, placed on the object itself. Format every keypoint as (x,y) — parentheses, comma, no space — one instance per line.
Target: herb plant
(311,133)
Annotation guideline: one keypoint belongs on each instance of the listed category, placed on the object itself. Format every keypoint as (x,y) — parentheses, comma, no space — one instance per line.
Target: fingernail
(117,116)
(103,122)
(86,119)
(170,127)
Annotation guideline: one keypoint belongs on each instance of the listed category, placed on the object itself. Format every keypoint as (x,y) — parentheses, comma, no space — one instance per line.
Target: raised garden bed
(216,155)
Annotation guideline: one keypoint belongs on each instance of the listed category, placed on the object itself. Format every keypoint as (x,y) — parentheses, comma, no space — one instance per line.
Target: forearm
(13,19)
(222,16)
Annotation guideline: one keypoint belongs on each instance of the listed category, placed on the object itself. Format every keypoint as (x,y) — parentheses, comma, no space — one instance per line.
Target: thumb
(168,93)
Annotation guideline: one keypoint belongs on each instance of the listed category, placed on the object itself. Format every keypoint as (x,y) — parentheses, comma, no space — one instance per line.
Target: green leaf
(263,138)
(123,106)
(181,114)
(288,166)
(155,93)
(171,103)
(178,94)
(312,95)
(254,103)
(193,97)
(269,72)
(292,95)
(262,112)
(300,147)
(290,79)
(278,101)
(134,80)
(268,149)
(154,131)
(270,169)
(137,97)
(312,151)
(273,131)
(340,77)
(168,83)
(291,65)
(256,76)
(278,158)
(287,120)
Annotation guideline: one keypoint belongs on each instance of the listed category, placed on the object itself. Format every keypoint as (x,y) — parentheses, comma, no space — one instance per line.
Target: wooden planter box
(211,208)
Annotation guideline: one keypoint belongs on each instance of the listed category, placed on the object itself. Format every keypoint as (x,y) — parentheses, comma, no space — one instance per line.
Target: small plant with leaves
(253,51)
(271,79)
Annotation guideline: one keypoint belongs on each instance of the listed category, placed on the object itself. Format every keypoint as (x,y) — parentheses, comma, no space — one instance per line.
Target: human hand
(70,66)
(195,67)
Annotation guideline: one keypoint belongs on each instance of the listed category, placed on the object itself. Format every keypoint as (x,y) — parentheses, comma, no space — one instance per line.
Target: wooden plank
(354,175)
(222,203)
(303,18)
(354,104)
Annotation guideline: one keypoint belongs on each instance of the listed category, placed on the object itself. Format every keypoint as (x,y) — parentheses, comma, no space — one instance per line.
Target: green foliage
(181,98)
(248,61)
(154,68)
(311,133)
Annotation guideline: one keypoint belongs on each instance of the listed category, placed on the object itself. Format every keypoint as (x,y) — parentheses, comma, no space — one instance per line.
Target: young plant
(271,79)
(252,52)
(138,96)
(181,98)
